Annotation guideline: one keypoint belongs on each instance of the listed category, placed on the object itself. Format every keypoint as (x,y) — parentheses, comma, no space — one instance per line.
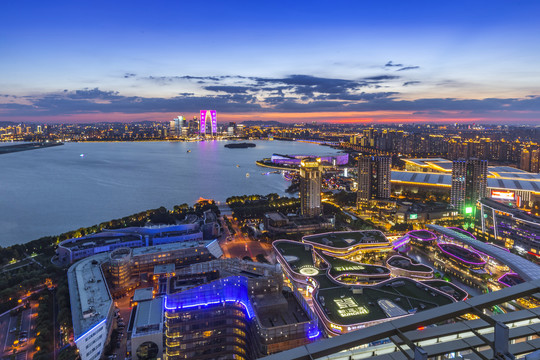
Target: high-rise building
(208,122)
(469,183)
(310,187)
(525,160)
(373,179)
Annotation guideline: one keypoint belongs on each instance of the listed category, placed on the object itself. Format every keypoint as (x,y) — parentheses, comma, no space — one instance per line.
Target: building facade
(469,184)
(503,224)
(310,188)
(374,178)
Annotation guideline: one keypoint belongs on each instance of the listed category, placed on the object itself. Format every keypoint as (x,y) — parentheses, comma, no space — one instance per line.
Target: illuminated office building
(469,184)
(310,188)
(374,177)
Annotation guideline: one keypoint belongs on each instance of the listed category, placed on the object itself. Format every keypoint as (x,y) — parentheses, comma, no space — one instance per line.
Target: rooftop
(399,296)
(345,239)
(461,253)
(509,181)
(149,317)
(423,235)
(402,262)
(170,247)
(526,269)
(143,294)
(298,256)
(164,269)
(89,295)
(341,266)
(277,309)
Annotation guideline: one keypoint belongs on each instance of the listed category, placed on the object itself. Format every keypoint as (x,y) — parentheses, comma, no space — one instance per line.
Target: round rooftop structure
(462,255)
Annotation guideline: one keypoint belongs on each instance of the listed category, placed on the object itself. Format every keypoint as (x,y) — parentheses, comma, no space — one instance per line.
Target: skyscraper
(373,179)
(469,183)
(310,187)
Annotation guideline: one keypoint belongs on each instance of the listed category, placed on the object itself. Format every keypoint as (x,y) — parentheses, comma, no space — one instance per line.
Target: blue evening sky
(75,61)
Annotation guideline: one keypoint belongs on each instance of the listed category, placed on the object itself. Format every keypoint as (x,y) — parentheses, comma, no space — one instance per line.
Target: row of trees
(255,206)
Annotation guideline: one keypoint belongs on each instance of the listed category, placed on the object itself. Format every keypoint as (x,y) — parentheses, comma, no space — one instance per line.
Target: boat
(240,145)
(247,174)
(189,151)
(237,165)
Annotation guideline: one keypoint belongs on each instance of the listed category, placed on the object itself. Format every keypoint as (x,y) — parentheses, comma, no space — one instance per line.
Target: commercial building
(342,294)
(441,333)
(408,212)
(310,188)
(503,183)
(469,184)
(277,223)
(234,309)
(71,250)
(374,178)
(349,244)
(145,330)
(507,225)
(295,160)
(93,282)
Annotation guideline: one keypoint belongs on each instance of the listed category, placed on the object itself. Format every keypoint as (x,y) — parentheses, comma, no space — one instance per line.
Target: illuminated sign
(503,195)
(468,210)
(413,216)
(348,307)
(349,268)
(335,327)
(309,270)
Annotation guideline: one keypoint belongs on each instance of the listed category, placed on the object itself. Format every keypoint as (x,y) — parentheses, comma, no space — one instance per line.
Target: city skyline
(348,62)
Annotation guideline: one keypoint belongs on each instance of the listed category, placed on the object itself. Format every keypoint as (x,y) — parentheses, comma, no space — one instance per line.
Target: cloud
(228,89)
(391,64)
(129,75)
(408,68)
(407,83)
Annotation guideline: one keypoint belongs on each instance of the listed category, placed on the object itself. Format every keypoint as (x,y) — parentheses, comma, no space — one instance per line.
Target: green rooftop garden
(345,239)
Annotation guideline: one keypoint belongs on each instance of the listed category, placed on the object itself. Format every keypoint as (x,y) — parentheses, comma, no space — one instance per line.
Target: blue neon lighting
(92,329)
(314,335)
(233,289)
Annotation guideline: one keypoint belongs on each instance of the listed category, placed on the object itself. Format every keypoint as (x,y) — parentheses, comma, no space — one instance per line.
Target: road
(241,245)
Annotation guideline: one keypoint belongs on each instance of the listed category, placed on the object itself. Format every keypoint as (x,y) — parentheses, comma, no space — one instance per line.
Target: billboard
(503,194)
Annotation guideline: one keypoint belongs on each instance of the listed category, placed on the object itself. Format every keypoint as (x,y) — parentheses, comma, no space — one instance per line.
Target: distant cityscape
(400,224)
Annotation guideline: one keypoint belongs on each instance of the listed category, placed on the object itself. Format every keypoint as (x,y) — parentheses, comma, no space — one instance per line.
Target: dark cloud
(391,64)
(408,68)
(381,77)
(407,83)
(129,75)
(228,89)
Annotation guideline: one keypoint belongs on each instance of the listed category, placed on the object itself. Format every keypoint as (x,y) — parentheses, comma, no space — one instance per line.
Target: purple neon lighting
(457,257)
(433,236)
(213,115)
(402,241)
(202,122)
(500,280)
(233,289)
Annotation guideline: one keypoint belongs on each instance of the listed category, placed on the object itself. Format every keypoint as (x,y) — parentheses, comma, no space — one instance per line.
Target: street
(241,245)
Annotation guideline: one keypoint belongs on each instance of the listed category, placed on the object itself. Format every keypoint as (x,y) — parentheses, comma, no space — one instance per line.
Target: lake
(54,190)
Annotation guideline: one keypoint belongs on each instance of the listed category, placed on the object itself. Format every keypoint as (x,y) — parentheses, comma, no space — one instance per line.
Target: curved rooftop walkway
(526,269)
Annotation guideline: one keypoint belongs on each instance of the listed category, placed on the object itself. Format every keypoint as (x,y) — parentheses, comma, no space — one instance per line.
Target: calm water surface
(50,191)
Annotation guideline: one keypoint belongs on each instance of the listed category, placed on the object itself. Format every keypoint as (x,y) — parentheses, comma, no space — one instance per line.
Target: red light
(421,328)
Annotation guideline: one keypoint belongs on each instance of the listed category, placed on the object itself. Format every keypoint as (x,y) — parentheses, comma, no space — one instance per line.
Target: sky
(291,61)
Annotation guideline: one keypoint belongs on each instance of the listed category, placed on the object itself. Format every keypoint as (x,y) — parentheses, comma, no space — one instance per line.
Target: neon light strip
(313,336)
(92,329)
(457,257)
(504,275)
(433,236)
